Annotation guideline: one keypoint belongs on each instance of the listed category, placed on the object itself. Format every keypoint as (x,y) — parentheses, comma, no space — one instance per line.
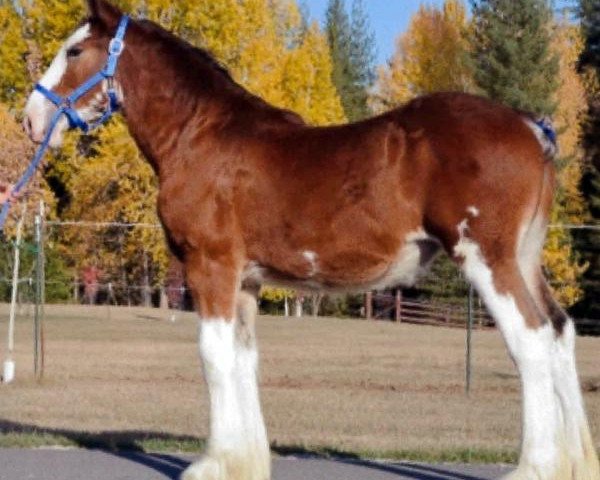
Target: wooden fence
(394,307)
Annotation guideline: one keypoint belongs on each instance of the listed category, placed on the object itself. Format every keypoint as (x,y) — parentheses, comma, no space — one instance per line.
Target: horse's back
(356,195)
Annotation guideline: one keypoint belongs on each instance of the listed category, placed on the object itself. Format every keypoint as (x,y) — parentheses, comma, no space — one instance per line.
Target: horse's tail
(545,133)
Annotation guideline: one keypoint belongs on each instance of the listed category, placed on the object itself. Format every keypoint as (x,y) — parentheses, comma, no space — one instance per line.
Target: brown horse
(369,206)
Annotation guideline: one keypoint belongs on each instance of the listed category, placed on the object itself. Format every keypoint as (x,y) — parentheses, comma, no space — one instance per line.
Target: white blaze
(58,67)
(38,108)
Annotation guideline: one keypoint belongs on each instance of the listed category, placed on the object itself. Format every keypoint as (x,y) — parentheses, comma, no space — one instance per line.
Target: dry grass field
(348,385)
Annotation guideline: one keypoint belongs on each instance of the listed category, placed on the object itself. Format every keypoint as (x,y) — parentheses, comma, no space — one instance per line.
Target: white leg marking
(217,349)
(531,243)
(568,389)
(542,446)
(311,258)
(581,448)
(573,422)
(237,447)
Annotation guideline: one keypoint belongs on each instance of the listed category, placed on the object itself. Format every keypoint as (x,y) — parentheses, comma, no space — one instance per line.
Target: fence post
(40,294)
(398,305)
(469,339)
(8,374)
(369,305)
(147,294)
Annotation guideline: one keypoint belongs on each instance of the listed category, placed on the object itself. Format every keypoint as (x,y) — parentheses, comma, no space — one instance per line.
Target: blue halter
(65,107)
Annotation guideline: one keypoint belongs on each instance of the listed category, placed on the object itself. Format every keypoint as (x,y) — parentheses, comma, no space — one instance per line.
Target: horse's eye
(74,52)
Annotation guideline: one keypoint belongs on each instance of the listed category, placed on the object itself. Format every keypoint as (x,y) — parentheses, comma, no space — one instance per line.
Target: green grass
(105,441)
(453,455)
(141,443)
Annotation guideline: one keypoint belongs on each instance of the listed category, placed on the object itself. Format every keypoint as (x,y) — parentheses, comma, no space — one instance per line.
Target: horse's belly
(347,274)
(409,265)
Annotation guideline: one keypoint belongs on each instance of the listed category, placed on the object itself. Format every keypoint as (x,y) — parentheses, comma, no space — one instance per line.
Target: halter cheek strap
(65,107)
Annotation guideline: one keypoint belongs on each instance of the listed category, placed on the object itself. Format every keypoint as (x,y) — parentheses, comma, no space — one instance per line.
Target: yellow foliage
(571,109)
(50,22)
(262,43)
(562,265)
(561,261)
(431,56)
(306,81)
(13,49)
(15,153)
(276,295)
(113,184)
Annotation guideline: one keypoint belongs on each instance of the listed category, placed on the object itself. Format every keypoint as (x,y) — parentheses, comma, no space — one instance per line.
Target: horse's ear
(104,11)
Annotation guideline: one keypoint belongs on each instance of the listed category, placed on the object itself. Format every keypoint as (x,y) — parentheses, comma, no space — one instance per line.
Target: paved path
(98,465)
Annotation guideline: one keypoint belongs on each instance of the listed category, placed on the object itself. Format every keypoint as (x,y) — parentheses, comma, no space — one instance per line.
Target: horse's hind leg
(530,341)
(582,452)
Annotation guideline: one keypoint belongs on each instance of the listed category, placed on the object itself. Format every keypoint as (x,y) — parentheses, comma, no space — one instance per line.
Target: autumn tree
(13,48)
(562,262)
(432,55)
(15,153)
(267,47)
(306,86)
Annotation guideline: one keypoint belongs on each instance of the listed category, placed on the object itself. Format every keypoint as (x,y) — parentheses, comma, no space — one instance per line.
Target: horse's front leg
(237,446)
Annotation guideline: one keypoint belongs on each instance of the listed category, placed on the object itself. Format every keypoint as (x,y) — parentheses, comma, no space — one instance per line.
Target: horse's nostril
(27,125)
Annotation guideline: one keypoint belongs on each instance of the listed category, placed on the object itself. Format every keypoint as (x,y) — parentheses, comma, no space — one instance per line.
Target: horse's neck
(160,108)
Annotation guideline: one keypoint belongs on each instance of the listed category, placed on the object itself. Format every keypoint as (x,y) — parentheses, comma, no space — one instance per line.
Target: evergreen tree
(362,55)
(588,241)
(512,55)
(351,44)
(590,22)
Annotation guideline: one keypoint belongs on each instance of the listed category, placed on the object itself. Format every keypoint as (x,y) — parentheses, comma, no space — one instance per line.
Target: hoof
(585,469)
(229,467)
(206,469)
(528,473)
(588,467)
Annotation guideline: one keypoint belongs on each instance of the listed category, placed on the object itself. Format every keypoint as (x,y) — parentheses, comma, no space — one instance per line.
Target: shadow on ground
(134,445)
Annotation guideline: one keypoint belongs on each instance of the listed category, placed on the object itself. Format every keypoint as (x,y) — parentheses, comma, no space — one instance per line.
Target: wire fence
(127,264)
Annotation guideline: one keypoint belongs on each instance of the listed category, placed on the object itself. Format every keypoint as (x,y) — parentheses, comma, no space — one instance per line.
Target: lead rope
(33,166)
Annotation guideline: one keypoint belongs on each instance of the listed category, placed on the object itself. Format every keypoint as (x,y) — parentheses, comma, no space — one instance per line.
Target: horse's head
(82,55)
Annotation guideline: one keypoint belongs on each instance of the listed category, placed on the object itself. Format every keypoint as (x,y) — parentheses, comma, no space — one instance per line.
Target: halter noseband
(65,105)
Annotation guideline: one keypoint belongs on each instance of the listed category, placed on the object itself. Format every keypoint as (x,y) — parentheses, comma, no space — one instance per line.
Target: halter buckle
(116,46)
